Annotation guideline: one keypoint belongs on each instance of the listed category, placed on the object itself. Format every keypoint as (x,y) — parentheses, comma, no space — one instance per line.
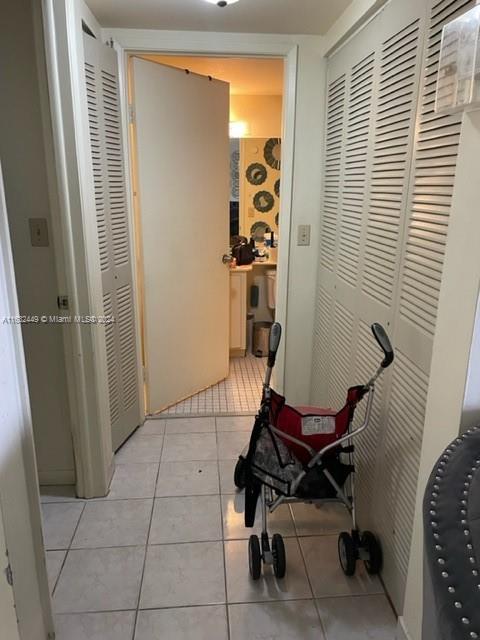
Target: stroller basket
(273,463)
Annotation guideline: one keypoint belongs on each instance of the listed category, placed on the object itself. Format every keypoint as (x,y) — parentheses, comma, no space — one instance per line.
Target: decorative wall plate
(259,229)
(256,173)
(276,188)
(272,152)
(234,170)
(263,201)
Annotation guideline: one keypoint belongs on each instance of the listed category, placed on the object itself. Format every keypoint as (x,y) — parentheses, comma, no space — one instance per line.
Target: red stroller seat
(314,426)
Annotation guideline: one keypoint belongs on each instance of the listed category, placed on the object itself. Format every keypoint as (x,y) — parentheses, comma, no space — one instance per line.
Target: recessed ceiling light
(221,3)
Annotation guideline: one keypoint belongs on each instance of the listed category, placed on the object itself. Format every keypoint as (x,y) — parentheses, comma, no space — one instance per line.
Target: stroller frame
(352,546)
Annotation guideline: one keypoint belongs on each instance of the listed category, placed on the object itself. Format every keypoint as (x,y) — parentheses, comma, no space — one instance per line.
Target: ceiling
(246,16)
(247,76)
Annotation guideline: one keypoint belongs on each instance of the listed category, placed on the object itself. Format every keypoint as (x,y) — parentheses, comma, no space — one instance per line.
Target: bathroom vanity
(241,278)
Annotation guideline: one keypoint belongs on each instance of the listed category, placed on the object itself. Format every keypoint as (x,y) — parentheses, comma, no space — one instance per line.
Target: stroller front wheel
(254,557)
(347,553)
(239,473)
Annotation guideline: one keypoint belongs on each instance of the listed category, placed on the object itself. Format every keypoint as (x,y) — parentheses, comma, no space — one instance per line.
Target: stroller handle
(273,342)
(384,342)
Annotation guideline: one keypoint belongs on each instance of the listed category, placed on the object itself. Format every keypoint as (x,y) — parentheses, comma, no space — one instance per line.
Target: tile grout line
(189,542)
(311,588)
(69,548)
(227,612)
(147,539)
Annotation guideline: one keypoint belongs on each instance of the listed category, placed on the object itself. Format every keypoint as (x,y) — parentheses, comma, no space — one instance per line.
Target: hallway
(165,554)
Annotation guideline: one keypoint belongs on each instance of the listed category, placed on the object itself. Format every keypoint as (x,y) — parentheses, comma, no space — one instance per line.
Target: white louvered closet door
(432,174)
(388,180)
(115,255)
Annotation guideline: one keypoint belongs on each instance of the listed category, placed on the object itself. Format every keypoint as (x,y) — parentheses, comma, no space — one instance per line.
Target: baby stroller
(306,454)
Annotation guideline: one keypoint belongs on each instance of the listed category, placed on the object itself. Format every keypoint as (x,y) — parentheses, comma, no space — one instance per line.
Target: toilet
(271,275)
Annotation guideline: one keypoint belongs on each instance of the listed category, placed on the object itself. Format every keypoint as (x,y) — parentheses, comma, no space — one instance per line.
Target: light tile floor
(237,394)
(164,555)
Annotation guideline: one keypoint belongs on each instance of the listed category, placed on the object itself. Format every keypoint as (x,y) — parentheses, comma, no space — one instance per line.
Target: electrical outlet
(303,238)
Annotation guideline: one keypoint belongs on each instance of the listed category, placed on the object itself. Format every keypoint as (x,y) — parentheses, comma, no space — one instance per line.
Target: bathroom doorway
(251,219)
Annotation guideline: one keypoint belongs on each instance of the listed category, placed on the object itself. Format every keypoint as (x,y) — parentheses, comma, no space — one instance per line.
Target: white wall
(354,16)
(307,171)
(263,114)
(24,161)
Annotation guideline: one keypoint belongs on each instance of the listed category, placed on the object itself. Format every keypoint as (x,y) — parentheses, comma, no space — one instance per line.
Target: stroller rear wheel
(254,557)
(371,545)
(239,473)
(279,557)
(347,553)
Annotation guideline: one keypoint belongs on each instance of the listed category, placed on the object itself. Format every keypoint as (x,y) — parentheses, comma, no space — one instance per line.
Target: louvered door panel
(355,172)
(113,236)
(393,132)
(321,346)
(396,486)
(112,368)
(434,175)
(333,170)
(368,443)
(128,354)
(97,163)
(115,171)
(340,346)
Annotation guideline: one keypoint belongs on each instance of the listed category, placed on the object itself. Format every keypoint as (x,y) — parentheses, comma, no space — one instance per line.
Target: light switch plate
(38,232)
(303,238)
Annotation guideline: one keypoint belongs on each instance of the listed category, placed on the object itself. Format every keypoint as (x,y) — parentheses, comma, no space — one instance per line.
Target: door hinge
(9,574)
(63,302)
(131,113)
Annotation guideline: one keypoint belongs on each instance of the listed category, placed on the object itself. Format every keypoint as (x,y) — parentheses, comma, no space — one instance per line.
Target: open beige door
(182,151)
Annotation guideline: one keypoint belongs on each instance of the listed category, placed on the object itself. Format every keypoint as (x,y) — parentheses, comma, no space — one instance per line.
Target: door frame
(129,42)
